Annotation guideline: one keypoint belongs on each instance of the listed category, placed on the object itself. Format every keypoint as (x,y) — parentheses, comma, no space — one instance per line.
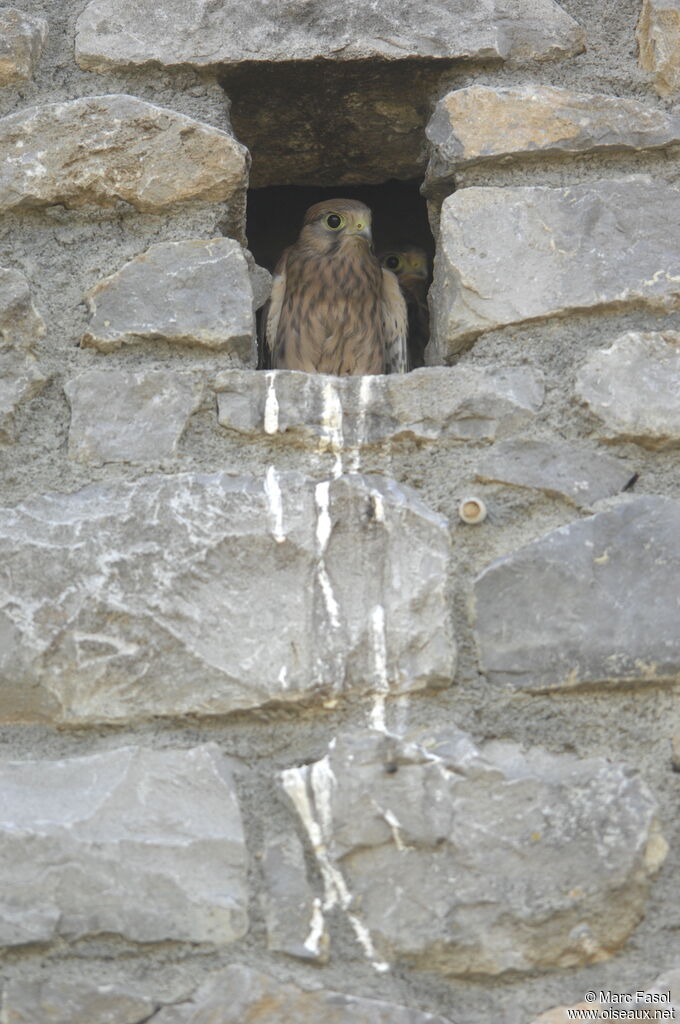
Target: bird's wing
(272,311)
(395,325)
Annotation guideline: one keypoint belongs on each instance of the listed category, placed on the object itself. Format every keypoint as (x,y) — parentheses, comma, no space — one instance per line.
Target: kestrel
(333,308)
(409,263)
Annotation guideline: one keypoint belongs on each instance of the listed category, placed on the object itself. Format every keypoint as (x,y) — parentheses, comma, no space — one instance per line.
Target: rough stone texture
(130,600)
(603,246)
(594,602)
(451,857)
(140,843)
(20,322)
(293,916)
(123,416)
(658,36)
(483,123)
(464,403)
(99,149)
(45,1002)
(633,387)
(123,32)
(196,292)
(21,379)
(22,37)
(21,325)
(240,994)
(579,475)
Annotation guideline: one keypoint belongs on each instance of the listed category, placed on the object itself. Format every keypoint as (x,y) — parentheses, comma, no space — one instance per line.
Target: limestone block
(633,387)
(123,32)
(658,36)
(130,600)
(20,325)
(591,603)
(238,994)
(513,255)
(146,844)
(462,403)
(579,475)
(22,37)
(293,917)
(451,857)
(99,149)
(60,1002)
(21,379)
(123,416)
(20,322)
(482,123)
(194,292)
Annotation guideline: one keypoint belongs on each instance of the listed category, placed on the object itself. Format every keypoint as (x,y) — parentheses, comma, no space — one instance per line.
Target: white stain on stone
(273,491)
(365,397)
(271,406)
(316,929)
(394,824)
(310,789)
(377,716)
(332,438)
(323,532)
(283,678)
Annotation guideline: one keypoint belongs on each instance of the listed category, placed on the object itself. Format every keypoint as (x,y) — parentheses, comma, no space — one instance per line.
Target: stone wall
(285,738)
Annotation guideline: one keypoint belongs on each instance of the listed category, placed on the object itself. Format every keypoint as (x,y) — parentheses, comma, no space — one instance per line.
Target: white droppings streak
(331,425)
(378,506)
(318,821)
(377,717)
(271,406)
(316,929)
(323,533)
(323,521)
(364,401)
(283,678)
(273,492)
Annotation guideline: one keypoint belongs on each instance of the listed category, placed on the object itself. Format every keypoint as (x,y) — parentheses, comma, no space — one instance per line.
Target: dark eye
(391,262)
(333,221)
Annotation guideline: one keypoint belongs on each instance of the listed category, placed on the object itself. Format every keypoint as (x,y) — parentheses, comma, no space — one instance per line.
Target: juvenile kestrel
(409,263)
(333,308)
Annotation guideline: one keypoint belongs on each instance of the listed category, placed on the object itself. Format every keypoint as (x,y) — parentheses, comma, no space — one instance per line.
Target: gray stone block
(293,916)
(633,388)
(451,858)
(123,416)
(592,603)
(482,123)
(138,843)
(658,36)
(578,474)
(463,403)
(59,1002)
(607,245)
(20,322)
(99,149)
(194,292)
(240,994)
(136,599)
(21,377)
(22,37)
(123,32)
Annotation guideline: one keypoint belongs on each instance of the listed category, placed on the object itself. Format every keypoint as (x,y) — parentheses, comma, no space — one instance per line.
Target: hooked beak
(361,229)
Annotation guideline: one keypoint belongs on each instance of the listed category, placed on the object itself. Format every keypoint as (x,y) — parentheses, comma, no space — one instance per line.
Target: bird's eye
(334,221)
(392,262)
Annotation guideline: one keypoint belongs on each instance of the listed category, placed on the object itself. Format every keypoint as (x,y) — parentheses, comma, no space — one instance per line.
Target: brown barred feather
(332,310)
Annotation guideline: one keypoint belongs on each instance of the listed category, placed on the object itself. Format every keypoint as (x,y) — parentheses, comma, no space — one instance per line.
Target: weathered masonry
(284,739)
